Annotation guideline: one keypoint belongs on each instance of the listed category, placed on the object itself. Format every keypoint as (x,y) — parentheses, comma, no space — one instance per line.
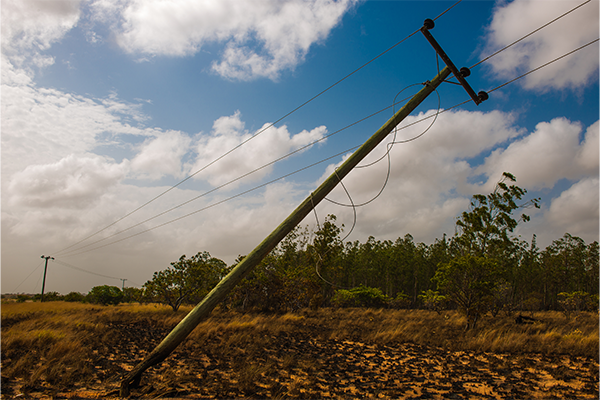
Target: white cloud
(575,211)
(516,19)
(31,26)
(73,182)
(161,156)
(261,38)
(588,155)
(41,125)
(229,132)
(550,153)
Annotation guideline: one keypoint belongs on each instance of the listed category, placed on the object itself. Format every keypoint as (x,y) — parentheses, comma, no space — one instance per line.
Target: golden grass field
(73,350)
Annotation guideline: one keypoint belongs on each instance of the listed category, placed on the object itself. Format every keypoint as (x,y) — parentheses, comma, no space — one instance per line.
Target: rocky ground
(304,363)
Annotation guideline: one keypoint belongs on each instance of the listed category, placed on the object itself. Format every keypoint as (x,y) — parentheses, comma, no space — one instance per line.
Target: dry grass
(63,346)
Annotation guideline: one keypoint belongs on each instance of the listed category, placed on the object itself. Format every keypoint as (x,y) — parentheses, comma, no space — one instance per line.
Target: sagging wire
(390,145)
(355,206)
(319,257)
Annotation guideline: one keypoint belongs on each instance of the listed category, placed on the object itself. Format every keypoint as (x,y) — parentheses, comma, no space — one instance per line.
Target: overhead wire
(85,270)
(244,142)
(236,179)
(256,134)
(262,185)
(389,146)
(219,202)
(331,157)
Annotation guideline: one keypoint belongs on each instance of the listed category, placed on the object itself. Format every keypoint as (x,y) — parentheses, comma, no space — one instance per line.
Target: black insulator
(464,71)
(428,24)
(483,96)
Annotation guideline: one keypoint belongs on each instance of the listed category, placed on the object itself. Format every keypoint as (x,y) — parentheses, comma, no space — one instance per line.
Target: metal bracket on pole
(460,75)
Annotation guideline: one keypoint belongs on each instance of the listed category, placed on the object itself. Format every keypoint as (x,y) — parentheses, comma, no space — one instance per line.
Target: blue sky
(108,103)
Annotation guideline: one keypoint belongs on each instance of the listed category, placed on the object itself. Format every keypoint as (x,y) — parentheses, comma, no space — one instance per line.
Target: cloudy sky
(135,131)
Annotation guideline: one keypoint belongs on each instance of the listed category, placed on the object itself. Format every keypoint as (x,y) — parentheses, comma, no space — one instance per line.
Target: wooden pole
(44,281)
(203,309)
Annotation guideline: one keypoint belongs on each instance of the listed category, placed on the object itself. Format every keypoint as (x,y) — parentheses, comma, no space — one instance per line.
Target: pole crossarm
(220,291)
(461,74)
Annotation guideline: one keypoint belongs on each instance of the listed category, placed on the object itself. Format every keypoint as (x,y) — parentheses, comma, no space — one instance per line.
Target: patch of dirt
(306,363)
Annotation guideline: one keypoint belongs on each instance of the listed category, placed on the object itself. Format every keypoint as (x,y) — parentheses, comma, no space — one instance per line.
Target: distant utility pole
(44,281)
(123,287)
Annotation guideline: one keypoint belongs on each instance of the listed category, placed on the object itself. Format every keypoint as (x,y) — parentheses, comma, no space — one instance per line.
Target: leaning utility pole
(219,292)
(123,286)
(44,281)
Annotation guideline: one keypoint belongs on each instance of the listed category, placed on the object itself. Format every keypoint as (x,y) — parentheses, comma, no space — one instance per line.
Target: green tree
(105,295)
(361,296)
(132,294)
(486,251)
(74,297)
(569,266)
(469,281)
(485,227)
(187,280)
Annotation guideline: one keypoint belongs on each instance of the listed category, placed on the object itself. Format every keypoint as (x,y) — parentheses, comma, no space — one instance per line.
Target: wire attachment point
(428,24)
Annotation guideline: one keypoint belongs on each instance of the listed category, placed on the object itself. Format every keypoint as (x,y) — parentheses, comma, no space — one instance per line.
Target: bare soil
(307,362)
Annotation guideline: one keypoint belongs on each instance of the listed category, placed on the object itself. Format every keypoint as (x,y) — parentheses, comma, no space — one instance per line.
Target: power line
(219,202)
(238,178)
(85,270)
(265,184)
(389,169)
(331,157)
(239,145)
(319,162)
(317,141)
(448,9)
(255,135)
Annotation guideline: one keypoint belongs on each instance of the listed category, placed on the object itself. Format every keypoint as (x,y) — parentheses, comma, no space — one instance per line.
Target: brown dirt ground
(305,364)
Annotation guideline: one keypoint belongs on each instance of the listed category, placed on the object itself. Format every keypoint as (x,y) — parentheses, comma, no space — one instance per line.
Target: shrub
(74,296)
(402,300)
(105,295)
(362,296)
(433,300)
(22,298)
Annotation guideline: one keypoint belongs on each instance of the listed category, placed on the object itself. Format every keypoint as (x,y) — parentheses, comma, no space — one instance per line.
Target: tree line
(483,268)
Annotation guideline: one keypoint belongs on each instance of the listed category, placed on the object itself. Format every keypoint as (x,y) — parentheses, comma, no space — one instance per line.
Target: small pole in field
(44,281)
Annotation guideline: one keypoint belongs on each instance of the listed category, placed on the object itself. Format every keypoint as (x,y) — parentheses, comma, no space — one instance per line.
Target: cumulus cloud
(73,182)
(576,209)
(42,125)
(229,132)
(261,38)
(161,156)
(516,19)
(30,26)
(551,152)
